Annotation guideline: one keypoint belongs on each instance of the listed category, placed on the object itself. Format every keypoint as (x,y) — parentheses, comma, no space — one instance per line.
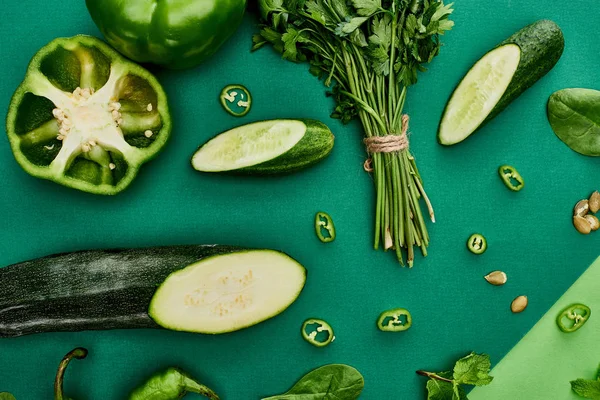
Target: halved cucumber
(267,147)
(498,78)
(228,292)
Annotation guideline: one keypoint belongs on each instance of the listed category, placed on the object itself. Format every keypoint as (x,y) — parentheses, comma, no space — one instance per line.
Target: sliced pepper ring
(85,117)
(324,227)
(511,178)
(573,317)
(317,332)
(236,100)
(477,244)
(394,320)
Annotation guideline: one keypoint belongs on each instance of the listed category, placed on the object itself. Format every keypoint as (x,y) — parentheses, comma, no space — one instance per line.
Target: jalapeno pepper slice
(395,320)
(317,332)
(477,244)
(236,100)
(573,317)
(324,227)
(511,178)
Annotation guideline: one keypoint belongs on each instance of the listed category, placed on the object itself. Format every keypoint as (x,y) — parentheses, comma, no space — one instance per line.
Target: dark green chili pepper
(324,227)
(171,384)
(312,327)
(511,178)
(573,317)
(236,100)
(477,244)
(79,353)
(395,320)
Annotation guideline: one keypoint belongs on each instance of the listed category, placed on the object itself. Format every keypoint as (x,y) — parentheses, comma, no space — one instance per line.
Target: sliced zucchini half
(228,292)
(498,78)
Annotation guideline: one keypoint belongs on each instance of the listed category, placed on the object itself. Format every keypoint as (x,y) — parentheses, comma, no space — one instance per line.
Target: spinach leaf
(330,382)
(6,396)
(574,115)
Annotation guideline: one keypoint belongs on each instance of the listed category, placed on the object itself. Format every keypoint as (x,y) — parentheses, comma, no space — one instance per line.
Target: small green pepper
(477,244)
(312,327)
(573,317)
(511,178)
(324,227)
(171,384)
(79,353)
(395,320)
(234,98)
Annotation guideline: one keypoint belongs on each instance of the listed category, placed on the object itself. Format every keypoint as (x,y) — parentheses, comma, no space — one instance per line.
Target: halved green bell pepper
(85,117)
(172,33)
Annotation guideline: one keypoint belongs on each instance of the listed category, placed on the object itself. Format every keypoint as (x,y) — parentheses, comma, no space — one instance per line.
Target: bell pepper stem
(78,353)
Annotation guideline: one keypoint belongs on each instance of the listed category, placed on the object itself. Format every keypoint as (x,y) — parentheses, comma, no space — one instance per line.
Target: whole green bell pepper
(86,117)
(173,33)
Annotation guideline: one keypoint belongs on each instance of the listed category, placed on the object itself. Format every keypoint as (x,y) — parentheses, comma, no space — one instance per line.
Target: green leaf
(290,39)
(439,390)
(269,6)
(458,393)
(382,32)
(318,12)
(347,27)
(442,12)
(334,381)
(586,388)
(341,9)
(473,370)
(366,8)
(358,38)
(6,396)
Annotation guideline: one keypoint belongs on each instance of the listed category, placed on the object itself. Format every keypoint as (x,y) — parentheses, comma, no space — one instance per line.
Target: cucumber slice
(266,147)
(498,78)
(228,292)
(478,93)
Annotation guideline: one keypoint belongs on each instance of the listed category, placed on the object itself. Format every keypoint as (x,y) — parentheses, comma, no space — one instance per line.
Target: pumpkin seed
(593,221)
(519,304)
(582,225)
(581,208)
(496,278)
(594,202)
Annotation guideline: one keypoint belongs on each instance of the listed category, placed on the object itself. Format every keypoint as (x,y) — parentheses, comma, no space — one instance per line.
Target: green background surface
(455,311)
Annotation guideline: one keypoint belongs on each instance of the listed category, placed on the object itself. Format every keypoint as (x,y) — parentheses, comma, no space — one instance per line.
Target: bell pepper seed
(230,93)
(324,227)
(511,178)
(394,320)
(312,327)
(477,244)
(573,317)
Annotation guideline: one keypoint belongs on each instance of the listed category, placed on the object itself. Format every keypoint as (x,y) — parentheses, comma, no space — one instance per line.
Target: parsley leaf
(473,370)
(350,25)
(290,39)
(586,388)
(366,8)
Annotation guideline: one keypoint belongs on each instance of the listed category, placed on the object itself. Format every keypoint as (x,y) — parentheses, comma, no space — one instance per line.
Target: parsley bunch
(372,50)
(472,370)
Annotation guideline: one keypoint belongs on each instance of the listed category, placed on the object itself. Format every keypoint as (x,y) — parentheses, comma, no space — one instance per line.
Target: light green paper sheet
(543,363)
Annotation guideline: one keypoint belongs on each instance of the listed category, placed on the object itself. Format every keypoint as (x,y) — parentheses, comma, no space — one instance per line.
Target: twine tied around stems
(387,143)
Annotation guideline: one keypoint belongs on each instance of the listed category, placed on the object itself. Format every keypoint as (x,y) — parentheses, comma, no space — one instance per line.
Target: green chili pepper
(477,244)
(236,100)
(311,328)
(79,353)
(511,178)
(171,384)
(573,317)
(395,320)
(324,227)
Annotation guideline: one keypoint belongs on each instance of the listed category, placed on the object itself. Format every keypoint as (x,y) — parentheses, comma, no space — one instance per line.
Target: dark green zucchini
(113,289)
